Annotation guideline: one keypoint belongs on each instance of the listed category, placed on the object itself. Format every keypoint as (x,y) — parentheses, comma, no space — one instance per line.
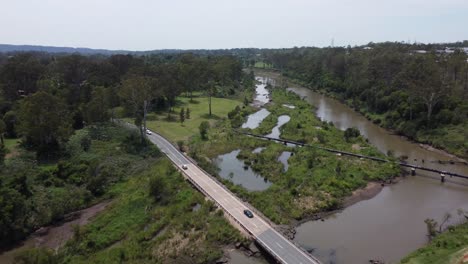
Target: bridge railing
(201,189)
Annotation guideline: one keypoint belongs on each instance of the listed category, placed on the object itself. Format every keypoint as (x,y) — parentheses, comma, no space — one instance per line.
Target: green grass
(453,138)
(447,248)
(263,65)
(136,229)
(316,180)
(175,131)
(11,144)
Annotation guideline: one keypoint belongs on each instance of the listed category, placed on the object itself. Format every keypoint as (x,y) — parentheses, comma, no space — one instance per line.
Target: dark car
(248,213)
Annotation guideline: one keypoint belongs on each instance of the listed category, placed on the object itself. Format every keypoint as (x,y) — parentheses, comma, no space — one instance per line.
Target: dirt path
(55,236)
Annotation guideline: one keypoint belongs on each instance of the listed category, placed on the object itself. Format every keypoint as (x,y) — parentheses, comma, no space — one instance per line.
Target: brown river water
(386,227)
(390,225)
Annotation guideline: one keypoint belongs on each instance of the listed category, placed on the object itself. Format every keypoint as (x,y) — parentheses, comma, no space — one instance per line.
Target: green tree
(158,188)
(2,131)
(10,120)
(182,115)
(137,92)
(211,89)
(20,75)
(97,109)
(350,133)
(44,121)
(13,216)
(204,127)
(187,113)
(3,152)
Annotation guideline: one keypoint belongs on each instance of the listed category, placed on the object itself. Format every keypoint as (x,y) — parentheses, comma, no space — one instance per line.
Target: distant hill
(50,49)
(7,48)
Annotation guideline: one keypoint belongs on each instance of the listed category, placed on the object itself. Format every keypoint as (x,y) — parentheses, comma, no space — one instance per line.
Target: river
(390,225)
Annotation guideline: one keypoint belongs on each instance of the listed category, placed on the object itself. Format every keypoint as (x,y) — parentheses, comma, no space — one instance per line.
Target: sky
(220,24)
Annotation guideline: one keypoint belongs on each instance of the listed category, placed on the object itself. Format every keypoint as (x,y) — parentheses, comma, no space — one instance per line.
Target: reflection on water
(262,95)
(254,120)
(283,158)
(258,150)
(275,132)
(390,225)
(233,169)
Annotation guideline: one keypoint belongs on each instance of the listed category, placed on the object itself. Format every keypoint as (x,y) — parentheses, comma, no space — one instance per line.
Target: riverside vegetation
(59,153)
(151,218)
(448,247)
(419,90)
(316,181)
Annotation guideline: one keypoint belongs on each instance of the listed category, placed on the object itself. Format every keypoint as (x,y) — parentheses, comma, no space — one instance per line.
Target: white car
(184,167)
(148,132)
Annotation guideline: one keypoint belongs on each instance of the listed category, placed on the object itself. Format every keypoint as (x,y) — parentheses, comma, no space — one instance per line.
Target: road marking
(280,246)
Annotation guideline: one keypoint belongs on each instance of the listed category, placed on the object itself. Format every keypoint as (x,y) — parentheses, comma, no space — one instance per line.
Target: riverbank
(153,208)
(449,140)
(55,236)
(286,81)
(395,212)
(316,181)
(449,247)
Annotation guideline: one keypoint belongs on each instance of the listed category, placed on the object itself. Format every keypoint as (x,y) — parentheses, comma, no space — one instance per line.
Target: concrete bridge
(280,247)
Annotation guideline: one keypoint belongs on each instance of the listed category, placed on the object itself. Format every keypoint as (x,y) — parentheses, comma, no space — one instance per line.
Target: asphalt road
(272,241)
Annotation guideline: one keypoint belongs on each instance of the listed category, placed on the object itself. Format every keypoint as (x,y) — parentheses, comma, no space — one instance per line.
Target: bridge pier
(442,177)
(413,171)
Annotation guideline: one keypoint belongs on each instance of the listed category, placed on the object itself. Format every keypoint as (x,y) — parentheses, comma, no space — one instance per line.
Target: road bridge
(280,247)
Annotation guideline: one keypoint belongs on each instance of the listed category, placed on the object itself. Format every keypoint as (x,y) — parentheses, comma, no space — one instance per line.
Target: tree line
(45,97)
(413,89)
(59,108)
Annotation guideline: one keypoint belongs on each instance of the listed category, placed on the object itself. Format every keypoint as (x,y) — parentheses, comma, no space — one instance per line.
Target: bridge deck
(272,241)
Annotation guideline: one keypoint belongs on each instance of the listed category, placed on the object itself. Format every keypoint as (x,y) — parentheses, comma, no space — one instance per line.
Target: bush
(36,256)
(204,126)
(350,133)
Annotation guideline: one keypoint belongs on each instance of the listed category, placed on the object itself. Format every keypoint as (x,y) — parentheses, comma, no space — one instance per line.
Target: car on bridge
(184,167)
(248,213)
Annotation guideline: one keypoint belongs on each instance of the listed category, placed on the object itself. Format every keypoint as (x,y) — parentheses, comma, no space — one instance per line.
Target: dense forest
(420,91)
(59,108)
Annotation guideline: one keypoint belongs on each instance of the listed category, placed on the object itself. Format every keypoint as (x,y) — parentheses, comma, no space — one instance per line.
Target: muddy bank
(55,236)
(443,152)
(244,254)
(368,192)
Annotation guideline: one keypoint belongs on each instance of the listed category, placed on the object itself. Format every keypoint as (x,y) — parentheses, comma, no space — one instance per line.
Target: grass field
(316,181)
(175,131)
(11,145)
(263,65)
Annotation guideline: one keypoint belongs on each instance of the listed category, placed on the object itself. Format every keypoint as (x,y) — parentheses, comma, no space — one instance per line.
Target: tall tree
(19,75)
(211,90)
(428,81)
(182,115)
(138,92)
(45,121)
(97,109)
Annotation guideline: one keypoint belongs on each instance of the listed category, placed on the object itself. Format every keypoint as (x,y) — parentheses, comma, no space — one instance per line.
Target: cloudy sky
(210,24)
